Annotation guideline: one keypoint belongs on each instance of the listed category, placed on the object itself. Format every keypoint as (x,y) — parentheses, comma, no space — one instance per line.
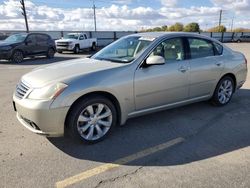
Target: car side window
(218,48)
(200,48)
(170,50)
(41,38)
(31,39)
(81,37)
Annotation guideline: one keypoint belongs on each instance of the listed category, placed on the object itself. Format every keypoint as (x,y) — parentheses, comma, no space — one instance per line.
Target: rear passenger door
(206,66)
(42,43)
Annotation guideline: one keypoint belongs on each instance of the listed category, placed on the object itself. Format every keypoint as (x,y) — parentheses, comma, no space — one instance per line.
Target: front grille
(21,90)
(62,44)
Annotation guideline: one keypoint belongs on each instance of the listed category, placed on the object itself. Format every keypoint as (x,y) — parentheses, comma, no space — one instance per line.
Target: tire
(17,56)
(238,40)
(50,53)
(93,48)
(91,119)
(223,92)
(76,49)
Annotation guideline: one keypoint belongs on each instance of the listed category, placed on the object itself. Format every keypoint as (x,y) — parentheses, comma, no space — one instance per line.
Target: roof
(172,34)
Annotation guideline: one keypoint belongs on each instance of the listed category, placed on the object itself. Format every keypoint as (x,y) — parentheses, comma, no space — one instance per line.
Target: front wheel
(223,92)
(76,49)
(17,56)
(92,119)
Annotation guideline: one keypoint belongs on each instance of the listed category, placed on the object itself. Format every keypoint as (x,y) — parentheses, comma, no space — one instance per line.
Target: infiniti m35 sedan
(136,75)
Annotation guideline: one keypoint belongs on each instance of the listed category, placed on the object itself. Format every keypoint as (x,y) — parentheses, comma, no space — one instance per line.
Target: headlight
(48,92)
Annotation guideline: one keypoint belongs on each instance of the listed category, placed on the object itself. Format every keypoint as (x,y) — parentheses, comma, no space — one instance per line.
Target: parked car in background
(136,75)
(75,42)
(243,38)
(18,46)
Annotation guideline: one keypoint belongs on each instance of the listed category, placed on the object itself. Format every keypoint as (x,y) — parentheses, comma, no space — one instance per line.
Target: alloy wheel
(225,91)
(94,121)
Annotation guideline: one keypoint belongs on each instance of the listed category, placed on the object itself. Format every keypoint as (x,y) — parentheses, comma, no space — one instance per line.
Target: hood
(4,43)
(68,69)
(65,40)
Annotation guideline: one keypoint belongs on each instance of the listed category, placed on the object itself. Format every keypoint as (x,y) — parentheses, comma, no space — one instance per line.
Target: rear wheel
(92,119)
(50,53)
(93,48)
(223,92)
(17,56)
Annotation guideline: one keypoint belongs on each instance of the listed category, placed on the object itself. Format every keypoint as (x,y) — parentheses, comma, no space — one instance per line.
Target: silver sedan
(136,75)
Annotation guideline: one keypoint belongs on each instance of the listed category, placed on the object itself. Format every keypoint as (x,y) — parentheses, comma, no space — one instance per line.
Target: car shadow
(208,131)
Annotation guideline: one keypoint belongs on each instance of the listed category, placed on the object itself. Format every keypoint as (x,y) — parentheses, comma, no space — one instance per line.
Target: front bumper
(66,47)
(38,117)
(5,55)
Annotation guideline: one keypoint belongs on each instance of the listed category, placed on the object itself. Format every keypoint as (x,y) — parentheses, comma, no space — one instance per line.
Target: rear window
(200,48)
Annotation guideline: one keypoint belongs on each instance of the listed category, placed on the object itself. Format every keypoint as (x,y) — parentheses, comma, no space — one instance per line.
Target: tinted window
(81,37)
(42,38)
(218,48)
(171,50)
(31,38)
(200,48)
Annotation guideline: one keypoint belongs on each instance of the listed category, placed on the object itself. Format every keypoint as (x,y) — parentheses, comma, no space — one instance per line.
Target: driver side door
(158,85)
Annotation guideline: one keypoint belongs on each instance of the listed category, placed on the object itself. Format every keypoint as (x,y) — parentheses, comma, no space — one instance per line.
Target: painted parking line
(103,168)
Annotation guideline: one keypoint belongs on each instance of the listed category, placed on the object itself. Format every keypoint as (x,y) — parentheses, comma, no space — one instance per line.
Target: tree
(192,27)
(241,30)
(176,27)
(221,28)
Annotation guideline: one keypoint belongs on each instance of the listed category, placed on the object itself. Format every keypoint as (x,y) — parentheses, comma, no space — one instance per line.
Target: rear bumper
(39,118)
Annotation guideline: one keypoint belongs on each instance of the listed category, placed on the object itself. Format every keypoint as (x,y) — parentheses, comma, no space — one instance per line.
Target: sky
(122,15)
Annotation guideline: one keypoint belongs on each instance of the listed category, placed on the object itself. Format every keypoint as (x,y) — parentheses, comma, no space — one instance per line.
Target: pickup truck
(75,42)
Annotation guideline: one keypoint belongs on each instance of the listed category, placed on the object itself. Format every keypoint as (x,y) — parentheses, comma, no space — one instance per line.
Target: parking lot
(198,145)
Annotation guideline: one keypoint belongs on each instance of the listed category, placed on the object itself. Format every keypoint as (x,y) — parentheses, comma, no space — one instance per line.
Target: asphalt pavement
(197,145)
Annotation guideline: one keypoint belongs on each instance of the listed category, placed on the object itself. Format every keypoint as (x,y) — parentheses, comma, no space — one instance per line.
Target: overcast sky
(122,15)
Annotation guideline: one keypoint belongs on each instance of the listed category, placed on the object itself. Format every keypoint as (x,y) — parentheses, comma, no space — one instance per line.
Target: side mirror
(155,60)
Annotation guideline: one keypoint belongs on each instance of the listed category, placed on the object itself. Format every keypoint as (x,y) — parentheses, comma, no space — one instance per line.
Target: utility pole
(220,18)
(25,15)
(94,7)
(232,24)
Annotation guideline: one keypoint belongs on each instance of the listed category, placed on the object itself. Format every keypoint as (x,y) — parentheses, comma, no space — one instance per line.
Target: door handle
(183,69)
(218,64)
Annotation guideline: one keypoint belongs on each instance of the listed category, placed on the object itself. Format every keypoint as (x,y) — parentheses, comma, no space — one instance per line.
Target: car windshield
(124,50)
(16,38)
(71,36)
